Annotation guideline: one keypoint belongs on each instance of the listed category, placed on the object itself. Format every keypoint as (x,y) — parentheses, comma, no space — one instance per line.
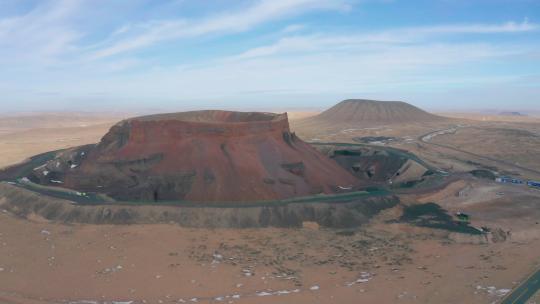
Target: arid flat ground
(43,262)
(27,135)
(392,263)
(505,144)
(512,142)
(493,117)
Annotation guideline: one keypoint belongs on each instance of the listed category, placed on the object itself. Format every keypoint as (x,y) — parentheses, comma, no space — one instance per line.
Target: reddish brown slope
(200,156)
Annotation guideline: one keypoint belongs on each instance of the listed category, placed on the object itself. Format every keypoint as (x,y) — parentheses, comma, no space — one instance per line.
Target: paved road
(525,291)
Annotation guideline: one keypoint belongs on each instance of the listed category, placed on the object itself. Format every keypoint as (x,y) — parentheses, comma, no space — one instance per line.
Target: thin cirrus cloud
(41,34)
(326,64)
(238,21)
(508,27)
(319,42)
(49,32)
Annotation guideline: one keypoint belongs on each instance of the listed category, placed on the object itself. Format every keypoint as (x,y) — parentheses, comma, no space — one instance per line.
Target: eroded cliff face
(199,156)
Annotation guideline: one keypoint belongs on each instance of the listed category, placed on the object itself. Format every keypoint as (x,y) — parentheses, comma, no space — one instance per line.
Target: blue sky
(264,54)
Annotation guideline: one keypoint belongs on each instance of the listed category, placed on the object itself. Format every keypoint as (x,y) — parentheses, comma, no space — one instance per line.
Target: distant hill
(512,114)
(362,111)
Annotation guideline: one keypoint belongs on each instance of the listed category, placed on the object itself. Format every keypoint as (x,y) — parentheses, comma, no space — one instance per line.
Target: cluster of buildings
(511,180)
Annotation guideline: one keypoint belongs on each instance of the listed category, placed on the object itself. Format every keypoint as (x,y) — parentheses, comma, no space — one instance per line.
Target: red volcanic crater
(199,156)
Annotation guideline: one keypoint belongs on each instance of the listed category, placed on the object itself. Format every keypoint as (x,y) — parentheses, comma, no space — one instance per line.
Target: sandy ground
(295,115)
(491,117)
(167,263)
(42,262)
(25,136)
(513,143)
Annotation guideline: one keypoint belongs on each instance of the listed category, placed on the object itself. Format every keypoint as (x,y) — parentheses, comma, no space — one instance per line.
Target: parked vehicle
(533,184)
(509,180)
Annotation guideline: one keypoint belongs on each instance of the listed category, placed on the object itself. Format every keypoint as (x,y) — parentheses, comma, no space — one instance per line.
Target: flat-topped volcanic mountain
(198,156)
(375,112)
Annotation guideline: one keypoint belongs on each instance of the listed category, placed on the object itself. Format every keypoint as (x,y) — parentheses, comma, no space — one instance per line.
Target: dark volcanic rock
(335,214)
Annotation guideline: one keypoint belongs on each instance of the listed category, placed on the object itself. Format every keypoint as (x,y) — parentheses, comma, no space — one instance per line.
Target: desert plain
(383,261)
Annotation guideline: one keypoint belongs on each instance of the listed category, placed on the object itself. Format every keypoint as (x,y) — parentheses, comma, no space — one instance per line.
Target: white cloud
(397,68)
(40,35)
(237,21)
(377,40)
(508,27)
(293,28)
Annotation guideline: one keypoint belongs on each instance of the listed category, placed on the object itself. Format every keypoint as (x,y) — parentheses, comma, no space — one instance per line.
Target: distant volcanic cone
(198,156)
(373,111)
(366,113)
